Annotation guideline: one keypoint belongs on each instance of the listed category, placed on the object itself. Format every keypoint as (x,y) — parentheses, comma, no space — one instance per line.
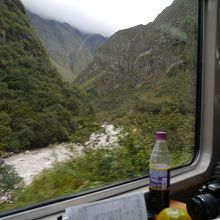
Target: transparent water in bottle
(158,197)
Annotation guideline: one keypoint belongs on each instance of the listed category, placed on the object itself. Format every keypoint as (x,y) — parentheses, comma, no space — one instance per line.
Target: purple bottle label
(159,178)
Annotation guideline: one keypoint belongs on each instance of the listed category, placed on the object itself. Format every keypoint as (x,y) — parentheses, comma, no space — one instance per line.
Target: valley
(70,50)
(79,111)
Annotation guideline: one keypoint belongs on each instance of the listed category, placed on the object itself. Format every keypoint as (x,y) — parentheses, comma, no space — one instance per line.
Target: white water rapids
(31,163)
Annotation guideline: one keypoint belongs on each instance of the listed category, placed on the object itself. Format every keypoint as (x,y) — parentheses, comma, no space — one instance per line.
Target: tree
(10,183)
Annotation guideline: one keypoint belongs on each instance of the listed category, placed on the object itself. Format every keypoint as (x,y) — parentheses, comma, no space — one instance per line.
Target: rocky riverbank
(30,163)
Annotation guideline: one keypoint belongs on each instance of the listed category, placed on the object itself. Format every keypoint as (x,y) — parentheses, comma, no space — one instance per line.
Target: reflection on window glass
(85,87)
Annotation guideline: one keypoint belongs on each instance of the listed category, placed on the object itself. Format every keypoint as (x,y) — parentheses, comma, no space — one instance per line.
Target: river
(30,163)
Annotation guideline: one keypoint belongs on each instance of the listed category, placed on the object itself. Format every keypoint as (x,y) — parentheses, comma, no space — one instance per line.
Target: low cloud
(98,16)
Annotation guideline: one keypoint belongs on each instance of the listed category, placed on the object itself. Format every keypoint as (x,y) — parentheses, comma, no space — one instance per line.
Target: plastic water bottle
(158,197)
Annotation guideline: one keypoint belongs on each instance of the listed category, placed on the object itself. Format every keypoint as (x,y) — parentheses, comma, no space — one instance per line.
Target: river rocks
(31,163)
(1,161)
(4,154)
(109,138)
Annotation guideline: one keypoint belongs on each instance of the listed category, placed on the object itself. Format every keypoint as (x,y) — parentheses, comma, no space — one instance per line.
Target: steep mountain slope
(143,64)
(36,107)
(68,47)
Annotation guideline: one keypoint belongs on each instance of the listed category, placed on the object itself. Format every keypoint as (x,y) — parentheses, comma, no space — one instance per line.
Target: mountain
(147,64)
(36,107)
(69,49)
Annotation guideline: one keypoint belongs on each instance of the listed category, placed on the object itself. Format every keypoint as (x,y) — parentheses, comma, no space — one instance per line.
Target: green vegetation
(10,183)
(177,89)
(36,107)
(100,167)
(66,75)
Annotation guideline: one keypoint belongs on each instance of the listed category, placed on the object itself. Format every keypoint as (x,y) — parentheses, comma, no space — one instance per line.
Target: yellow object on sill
(173,214)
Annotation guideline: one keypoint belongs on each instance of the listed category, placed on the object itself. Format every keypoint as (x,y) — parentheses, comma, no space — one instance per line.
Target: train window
(84,86)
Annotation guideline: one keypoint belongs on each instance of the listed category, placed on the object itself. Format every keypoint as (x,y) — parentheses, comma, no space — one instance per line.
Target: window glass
(84,86)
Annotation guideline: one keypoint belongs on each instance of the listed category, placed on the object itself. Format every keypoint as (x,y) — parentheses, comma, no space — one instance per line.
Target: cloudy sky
(99,16)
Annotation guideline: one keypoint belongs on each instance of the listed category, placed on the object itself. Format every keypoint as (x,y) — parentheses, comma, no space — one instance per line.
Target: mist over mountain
(70,50)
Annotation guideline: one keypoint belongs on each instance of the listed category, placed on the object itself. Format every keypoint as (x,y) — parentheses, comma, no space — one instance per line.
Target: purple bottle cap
(161,135)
